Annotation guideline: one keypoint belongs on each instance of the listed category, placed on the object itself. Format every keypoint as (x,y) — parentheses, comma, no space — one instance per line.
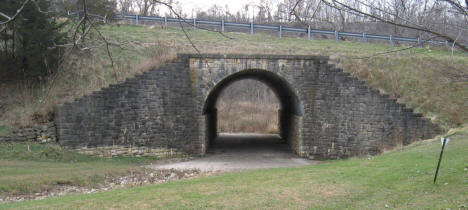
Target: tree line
(428,19)
(34,35)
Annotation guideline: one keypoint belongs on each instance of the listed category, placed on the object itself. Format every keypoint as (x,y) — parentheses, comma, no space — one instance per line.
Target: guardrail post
(165,21)
(281,31)
(337,36)
(391,40)
(222,26)
(308,32)
(364,37)
(194,24)
(251,28)
(136,19)
(446,43)
(419,42)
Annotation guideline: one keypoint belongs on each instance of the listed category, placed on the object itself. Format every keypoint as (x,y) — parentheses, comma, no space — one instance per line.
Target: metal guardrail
(279,28)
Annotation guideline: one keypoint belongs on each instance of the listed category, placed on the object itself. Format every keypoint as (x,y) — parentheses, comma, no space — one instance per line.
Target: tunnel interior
(289,114)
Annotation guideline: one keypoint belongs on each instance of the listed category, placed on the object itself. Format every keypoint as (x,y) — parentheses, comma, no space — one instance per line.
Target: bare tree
(420,16)
(126,6)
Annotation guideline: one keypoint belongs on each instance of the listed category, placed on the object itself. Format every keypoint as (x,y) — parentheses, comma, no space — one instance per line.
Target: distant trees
(428,19)
(103,9)
(447,19)
(141,7)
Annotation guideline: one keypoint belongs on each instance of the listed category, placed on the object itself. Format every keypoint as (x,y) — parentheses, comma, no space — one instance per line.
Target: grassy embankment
(400,179)
(29,168)
(431,80)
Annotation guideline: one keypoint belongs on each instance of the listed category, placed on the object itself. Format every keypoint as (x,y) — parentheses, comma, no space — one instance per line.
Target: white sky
(234,5)
(193,5)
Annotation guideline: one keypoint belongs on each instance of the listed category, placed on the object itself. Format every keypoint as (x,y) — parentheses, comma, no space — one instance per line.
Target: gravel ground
(149,176)
(237,152)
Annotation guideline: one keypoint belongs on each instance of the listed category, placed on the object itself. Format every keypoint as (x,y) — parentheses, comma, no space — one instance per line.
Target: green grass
(4,130)
(28,168)
(400,179)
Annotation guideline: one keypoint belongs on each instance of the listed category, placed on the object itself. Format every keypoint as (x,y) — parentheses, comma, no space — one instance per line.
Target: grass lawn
(40,167)
(398,179)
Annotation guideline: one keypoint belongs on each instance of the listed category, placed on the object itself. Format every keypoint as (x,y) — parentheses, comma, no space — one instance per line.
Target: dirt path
(235,152)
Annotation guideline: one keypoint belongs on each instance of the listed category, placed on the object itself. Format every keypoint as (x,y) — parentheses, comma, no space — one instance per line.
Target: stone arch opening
(289,115)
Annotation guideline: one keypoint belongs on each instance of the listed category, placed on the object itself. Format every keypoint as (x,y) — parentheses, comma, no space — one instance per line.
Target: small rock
(172,176)
(387,206)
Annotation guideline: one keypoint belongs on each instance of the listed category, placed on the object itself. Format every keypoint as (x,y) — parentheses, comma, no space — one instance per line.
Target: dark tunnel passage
(289,114)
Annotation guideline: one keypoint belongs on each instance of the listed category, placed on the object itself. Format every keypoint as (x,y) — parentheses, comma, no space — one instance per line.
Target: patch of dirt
(139,178)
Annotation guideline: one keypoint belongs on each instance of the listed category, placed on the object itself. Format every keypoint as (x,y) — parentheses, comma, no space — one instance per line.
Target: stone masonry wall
(171,110)
(352,118)
(150,114)
(342,116)
(42,134)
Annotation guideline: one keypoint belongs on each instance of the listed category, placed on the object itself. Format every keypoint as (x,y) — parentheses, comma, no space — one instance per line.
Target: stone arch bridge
(324,112)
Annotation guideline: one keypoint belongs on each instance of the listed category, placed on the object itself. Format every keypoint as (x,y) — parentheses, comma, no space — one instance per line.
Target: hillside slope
(432,81)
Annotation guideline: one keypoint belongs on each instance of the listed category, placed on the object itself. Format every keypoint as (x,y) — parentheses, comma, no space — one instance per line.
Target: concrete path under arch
(236,152)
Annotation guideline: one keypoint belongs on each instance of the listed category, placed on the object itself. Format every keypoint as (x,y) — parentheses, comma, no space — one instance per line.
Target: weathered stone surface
(325,113)
(43,134)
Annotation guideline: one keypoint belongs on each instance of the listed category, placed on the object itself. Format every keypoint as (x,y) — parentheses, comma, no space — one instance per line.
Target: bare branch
(10,19)
(459,7)
(342,6)
(5,16)
(181,26)
(394,51)
(107,45)
(80,38)
(169,6)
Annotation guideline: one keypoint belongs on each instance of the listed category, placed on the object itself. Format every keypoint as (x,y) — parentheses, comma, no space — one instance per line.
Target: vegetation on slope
(431,80)
(401,179)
